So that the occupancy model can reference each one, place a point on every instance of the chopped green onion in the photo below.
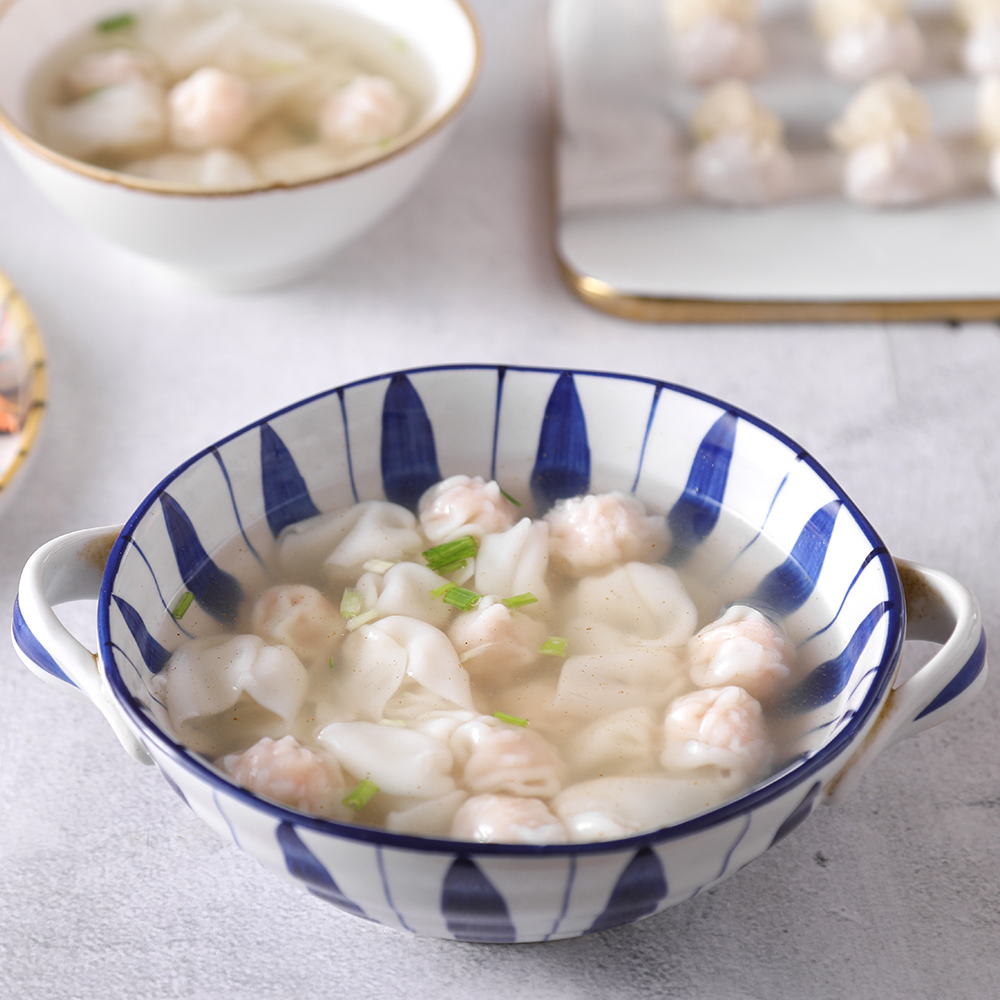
(514, 720)
(516, 503)
(553, 646)
(117, 22)
(180, 608)
(462, 599)
(329, 663)
(442, 590)
(364, 791)
(350, 603)
(377, 566)
(358, 620)
(449, 556)
(519, 600)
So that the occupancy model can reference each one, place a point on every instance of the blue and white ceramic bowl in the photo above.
(544, 434)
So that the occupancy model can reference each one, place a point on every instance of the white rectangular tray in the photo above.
(631, 240)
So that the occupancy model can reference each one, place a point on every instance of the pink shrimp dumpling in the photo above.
(300, 617)
(713, 40)
(716, 48)
(464, 505)
(108, 67)
(210, 108)
(495, 643)
(370, 109)
(507, 819)
(744, 648)
(289, 773)
(507, 758)
(594, 532)
(721, 728)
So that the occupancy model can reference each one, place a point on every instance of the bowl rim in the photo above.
(116, 178)
(794, 774)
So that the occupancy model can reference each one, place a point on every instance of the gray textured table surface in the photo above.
(110, 889)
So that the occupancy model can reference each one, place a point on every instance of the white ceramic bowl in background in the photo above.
(248, 239)
(544, 434)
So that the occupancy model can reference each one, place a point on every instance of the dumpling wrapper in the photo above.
(125, 117)
(406, 589)
(399, 761)
(230, 39)
(378, 660)
(207, 676)
(515, 562)
(608, 808)
(643, 600)
(299, 617)
(624, 742)
(337, 545)
(633, 673)
(221, 169)
(432, 818)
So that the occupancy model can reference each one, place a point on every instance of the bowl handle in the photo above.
(938, 609)
(69, 568)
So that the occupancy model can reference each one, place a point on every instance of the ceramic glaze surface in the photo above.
(544, 434)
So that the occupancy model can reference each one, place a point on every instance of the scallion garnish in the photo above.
(443, 589)
(180, 608)
(516, 503)
(116, 23)
(363, 792)
(450, 556)
(462, 599)
(514, 720)
(553, 646)
(329, 663)
(358, 620)
(350, 603)
(377, 565)
(519, 600)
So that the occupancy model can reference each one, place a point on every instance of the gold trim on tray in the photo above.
(17, 322)
(652, 309)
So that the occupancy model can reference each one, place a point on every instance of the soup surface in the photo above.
(225, 96)
(469, 672)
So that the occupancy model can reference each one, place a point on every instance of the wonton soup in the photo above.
(471, 672)
(224, 96)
